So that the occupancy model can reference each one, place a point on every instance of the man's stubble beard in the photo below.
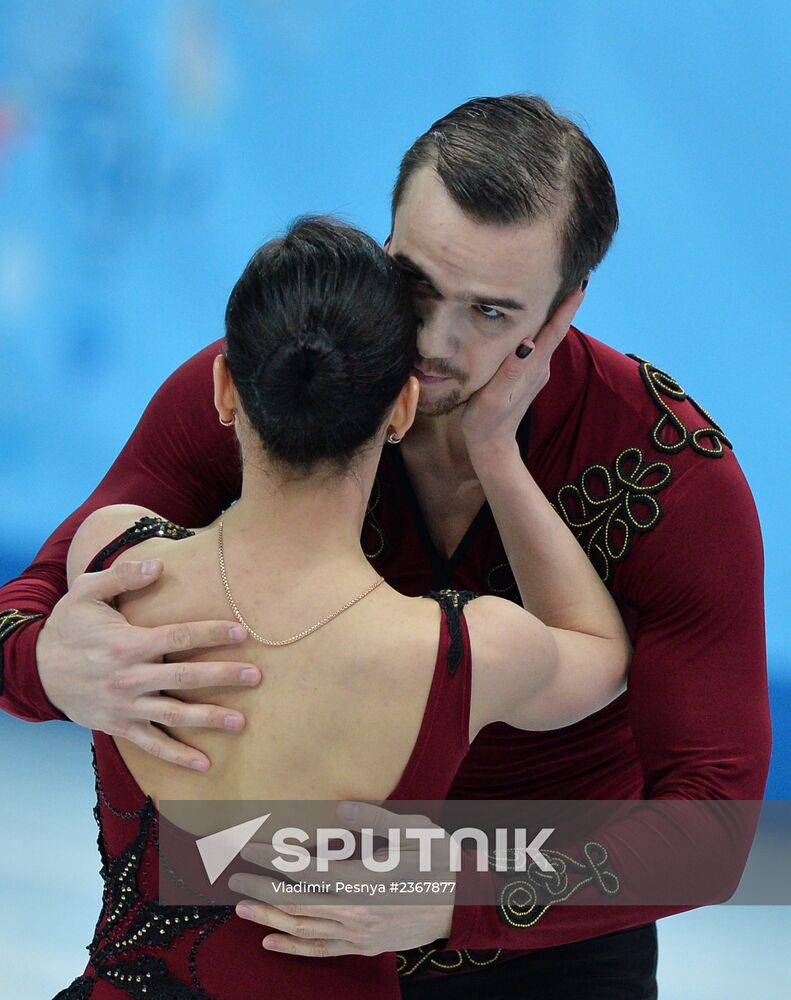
(439, 407)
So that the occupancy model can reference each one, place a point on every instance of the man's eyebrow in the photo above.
(471, 298)
(407, 264)
(475, 299)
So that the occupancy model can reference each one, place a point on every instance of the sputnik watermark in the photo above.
(509, 855)
(584, 852)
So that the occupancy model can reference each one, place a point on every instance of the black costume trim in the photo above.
(660, 384)
(131, 923)
(146, 527)
(453, 602)
(80, 989)
(604, 509)
(10, 620)
(126, 922)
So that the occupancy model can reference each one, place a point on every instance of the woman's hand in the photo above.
(492, 414)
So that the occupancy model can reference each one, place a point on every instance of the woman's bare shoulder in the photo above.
(98, 530)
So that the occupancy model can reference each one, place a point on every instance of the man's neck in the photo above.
(439, 440)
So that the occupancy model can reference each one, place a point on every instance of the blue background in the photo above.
(147, 149)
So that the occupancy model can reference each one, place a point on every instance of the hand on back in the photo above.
(108, 675)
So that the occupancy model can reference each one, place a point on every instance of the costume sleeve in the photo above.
(179, 461)
(698, 704)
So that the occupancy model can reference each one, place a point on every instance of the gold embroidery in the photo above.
(661, 384)
(11, 619)
(524, 901)
(372, 522)
(609, 505)
(408, 962)
(500, 580)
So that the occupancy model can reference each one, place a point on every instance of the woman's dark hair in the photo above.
(514, 159)
(320, 339)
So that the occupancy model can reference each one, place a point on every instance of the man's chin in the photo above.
(439, 407)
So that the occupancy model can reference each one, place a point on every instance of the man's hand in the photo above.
(106, 674)
(321, 931)
(492, 414)
(316, 931)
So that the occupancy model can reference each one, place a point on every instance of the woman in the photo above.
(367, 694)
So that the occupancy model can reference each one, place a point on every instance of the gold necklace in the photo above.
(299, 635)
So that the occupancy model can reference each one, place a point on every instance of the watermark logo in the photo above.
(511, 851)
(218, 850)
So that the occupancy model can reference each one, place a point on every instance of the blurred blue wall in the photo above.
(146, 150)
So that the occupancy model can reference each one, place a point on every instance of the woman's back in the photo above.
(385, 711)
(338, 712)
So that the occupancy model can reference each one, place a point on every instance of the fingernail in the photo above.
(244, 912)
(523, 350)
(233, 722)
(198, 765)
(249, 675)
(149, 567)
(236, 632)
(584, 285)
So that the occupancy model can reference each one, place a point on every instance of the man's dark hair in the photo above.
(320, 339)
(514, 159)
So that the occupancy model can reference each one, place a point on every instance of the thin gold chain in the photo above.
(299, 635)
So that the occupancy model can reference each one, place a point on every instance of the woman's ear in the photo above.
(403, 412)
(225, 400)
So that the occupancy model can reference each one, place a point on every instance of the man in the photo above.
(500, 212)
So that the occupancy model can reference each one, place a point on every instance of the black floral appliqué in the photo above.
(669, 434)
(610, 504)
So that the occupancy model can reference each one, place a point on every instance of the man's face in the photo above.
(479, 289)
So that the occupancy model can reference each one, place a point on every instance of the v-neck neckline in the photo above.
(444, 567)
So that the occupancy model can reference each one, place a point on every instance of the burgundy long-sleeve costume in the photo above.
(651, 488)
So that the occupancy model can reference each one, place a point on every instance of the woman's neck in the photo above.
(297, 525)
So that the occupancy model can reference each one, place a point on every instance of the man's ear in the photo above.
(225, 398)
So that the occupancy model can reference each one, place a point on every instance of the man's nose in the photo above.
(435, 336)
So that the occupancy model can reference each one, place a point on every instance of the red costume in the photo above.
(650, 486)
(199, 952)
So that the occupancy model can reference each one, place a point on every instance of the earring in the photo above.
(231, 422)
(393, 438)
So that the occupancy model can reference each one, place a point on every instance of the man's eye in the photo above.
(489, 312)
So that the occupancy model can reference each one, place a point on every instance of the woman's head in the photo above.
(320, 342)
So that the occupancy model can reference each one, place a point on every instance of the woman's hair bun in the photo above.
(306, 370)
(320, 339)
